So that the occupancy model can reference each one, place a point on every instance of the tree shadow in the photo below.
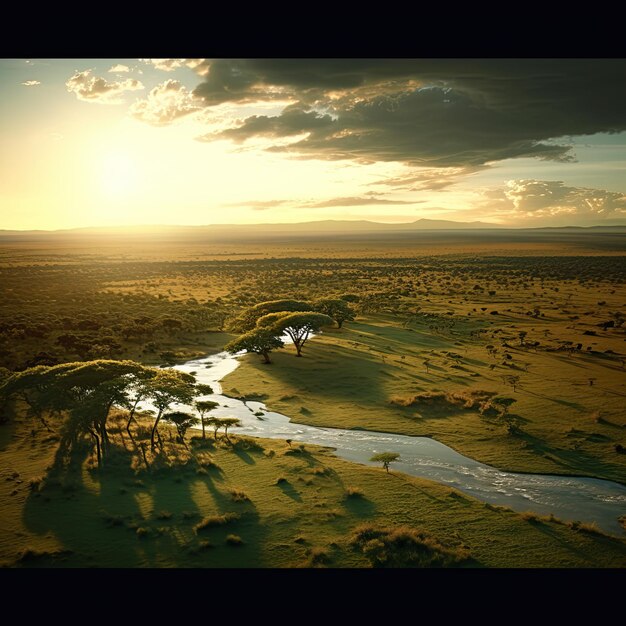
(289, 490)
(359, 505)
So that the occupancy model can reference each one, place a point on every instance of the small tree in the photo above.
(336, 308)
(217, 423)
(203, 390)
(203, 407)
(166, 388)
(183, 421)
(230, 421)
(260, 341)
(297, 325)
(385, 458)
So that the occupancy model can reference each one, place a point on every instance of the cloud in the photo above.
(262, 205)
(169, 65)
(92, 89)
(31, 83)
(531, 199)
(257, 205)
(435, 113)
(354, 201)
(428, 179)
(165, 103)
(120, 68)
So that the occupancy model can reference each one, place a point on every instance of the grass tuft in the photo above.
(216, 520)
(234, 540)
(403, 546)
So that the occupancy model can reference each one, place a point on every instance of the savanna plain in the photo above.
(507, 346)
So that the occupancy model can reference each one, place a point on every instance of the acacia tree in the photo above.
(230, 421)
(85, 390)
(216, 422)
(167, 387)
(259, 340)
(385, 458)
(203, 407)
(297, 325)
(336, 308)
(137, 390)
(183, 421)
(248, 319)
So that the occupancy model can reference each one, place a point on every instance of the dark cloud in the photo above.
(440, 113)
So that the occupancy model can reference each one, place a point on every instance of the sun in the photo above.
(119, 175)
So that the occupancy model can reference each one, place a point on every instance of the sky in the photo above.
(125, 142)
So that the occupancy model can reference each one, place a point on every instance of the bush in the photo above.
(234, 540)
(403, 546)
(216, 520)
(238, 495)
(354, 492)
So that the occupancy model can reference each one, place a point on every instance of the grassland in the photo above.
(255, 503)
(366, 374)
(438, 322)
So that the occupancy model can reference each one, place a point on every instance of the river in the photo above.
(569, 498)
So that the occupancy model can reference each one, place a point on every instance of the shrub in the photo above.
(216, 520)
(354, 492)
(403, 546)
(238, 495)
(234, 540)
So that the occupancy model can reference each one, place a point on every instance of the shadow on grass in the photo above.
(118, 517)
(289, 490)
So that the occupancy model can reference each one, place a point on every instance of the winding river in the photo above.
(569, 498)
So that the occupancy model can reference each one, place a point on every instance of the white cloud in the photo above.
(552, 199)
(120, 68)
(169, 65)
(31, 83)
(165, 103)
(93, 89)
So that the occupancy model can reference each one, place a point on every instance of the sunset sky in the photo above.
(108, 142)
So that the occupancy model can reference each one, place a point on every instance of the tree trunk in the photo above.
(203, 425)
(98, 451)
(154, 429)
(266, 356)
(339, 323)
(131, 416)
(387, 467)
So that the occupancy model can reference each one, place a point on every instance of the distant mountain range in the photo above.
(329, 227)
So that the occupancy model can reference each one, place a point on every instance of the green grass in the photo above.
(371, 375)
(174, 517)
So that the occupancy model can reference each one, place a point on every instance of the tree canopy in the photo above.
(385, 458)
(167, 387)
(248, 319)
(297, 325)
(86, 390)
(336, 308)
(203, 407)
(259, 340)
(183, 421)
